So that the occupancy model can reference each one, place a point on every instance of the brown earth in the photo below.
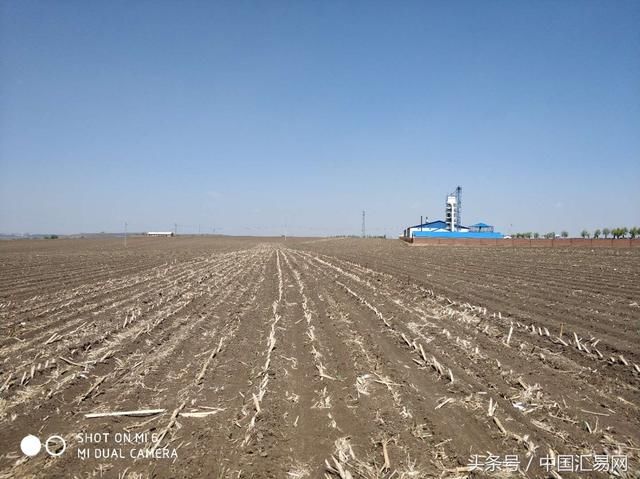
(316, 358)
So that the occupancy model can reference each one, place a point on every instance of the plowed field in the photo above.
(239, 358)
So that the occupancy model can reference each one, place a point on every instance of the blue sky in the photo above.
(253, 117)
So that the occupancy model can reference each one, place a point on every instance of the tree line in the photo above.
(615, 233)
(550, 235)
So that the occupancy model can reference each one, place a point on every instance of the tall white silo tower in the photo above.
(452, 214)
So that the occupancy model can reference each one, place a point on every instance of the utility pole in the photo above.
(364, 231)
(125, 234)
(175, 229)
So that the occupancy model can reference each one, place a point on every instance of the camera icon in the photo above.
(55, 445)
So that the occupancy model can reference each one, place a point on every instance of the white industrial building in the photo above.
(160, 233)
(454, 204)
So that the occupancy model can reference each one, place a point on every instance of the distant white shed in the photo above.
(160, 233)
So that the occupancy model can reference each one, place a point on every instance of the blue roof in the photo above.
(481, 225)
(431, 223)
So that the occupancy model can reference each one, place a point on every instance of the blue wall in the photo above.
(456, 234)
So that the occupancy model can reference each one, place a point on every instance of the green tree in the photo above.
(596, 234)
(564, 234)
(624, 232)
(584, 234)
(536, 235)
(634, 231)
(606, 232)
(550, 235)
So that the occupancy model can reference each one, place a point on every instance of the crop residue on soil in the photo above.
(227, 358)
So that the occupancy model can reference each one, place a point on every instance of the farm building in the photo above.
(430, 227)
(160, 233)
(481, 228)
(452, 227)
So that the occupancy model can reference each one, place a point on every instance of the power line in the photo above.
(364, 231)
